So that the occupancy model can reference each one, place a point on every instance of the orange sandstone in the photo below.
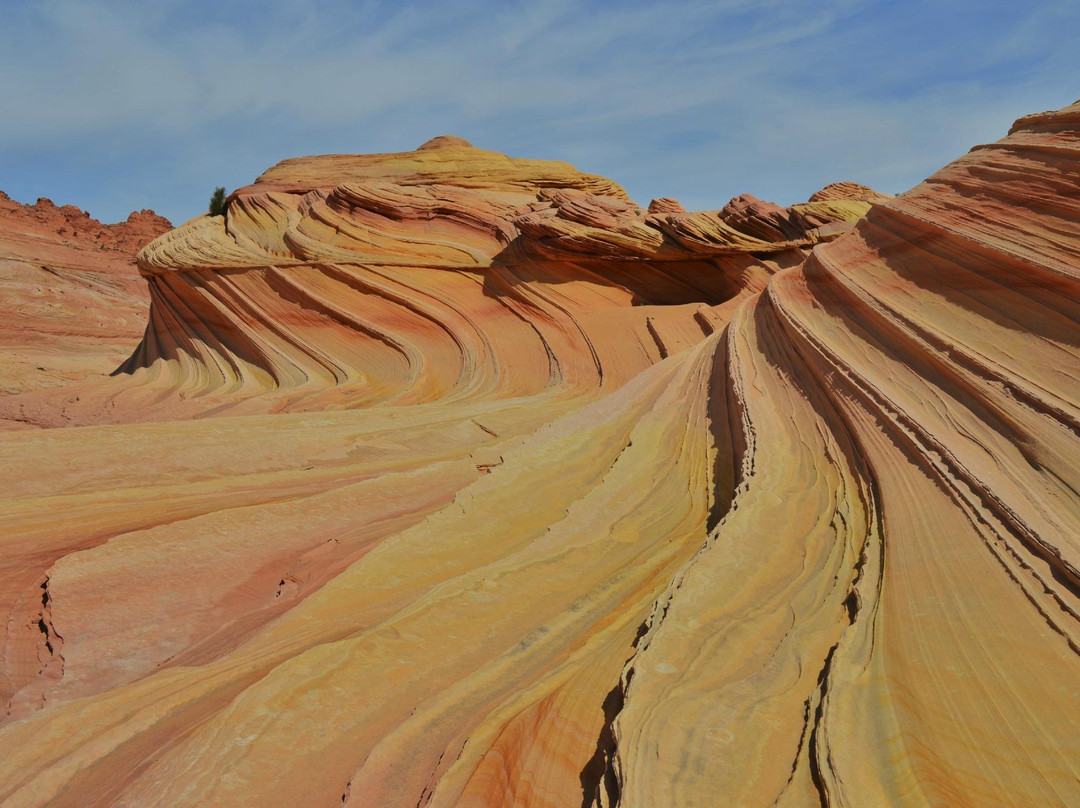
(441, 478)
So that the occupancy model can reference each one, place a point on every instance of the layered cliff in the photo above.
(495, 488)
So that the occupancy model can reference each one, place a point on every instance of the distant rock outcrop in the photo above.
(73, 302)
(73, 231)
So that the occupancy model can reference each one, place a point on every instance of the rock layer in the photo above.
(485, 486)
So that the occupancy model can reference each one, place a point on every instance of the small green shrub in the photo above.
(217, 202)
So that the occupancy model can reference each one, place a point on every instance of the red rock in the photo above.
(74, 304)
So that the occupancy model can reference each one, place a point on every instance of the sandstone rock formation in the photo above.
(442, 273)
(464, 480)
(73, 303)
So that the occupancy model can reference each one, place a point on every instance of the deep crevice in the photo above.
(598, 772)
(812, 741)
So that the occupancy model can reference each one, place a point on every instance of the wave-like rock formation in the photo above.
(465, 481)
(441, 274)
(73, 302)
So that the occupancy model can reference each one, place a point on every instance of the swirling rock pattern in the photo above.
(443, 274)
(528, 496)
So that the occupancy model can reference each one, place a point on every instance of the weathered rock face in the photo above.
(73, 303)
(449, 272)
(533, 497)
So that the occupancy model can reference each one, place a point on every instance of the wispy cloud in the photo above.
(115, 105)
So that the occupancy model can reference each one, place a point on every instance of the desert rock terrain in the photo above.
(73, 302)
(446, 478)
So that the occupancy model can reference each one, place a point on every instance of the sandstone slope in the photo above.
(466, 481)
(73, 303)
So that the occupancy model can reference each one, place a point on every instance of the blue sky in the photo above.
(120, 105)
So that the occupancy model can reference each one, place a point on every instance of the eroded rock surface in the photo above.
(442, 478)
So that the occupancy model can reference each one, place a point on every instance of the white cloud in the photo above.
(691, 99)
